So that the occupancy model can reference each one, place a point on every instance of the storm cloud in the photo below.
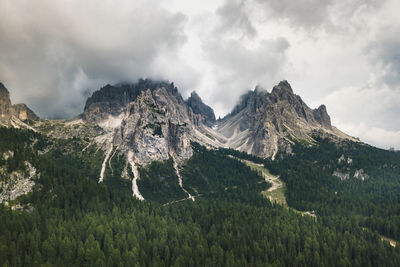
(53, 51)
(53, 54)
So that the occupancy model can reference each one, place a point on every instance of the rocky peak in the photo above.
(113, 99)
(263, 122)
(4, 93)
(7, 111)
(321, 116)
(198, 107)
(5, 103)
(284, 92)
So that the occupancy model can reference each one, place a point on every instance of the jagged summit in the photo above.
(113, 99)
(263, 123)
(152, 116)
(198, 107)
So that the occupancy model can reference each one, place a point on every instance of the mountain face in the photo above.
(13, 113)
(198, 107)
(150, 121)
(134, 142)
(262, 123)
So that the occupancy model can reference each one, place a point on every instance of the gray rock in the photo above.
(263, 123)
(198, 107)
(7, 110)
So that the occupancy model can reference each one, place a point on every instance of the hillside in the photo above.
(141, 179)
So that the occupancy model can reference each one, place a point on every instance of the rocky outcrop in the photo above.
(5, 104)
(198, 107)
(17, 183)
(9, 111)
(155, 125)
(22, 112)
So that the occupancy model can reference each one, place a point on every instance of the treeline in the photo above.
(78, 222)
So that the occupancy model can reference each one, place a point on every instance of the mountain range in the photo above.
(144, 177)
(151, 119)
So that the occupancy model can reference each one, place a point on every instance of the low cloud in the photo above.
(384, 51)
(370, 113)
(235, 18)
(238, 68)
(51, 52)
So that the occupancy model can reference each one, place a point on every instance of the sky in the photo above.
(341, 53)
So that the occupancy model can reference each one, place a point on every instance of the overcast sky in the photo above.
(343, 53)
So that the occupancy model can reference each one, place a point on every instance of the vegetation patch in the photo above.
(157, 129)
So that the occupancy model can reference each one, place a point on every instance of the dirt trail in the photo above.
(392, 242)
(276, 191)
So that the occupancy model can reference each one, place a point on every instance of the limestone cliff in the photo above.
(150, 120)
(9, 111)
(198, 107)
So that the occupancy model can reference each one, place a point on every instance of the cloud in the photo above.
(304, 13)
(384, 51)
(343, 53)
(376, 136)
(370, 113)
(51, 52)
(238, 68)
(235, 18)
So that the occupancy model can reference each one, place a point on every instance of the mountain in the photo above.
(263, 123)
(272, 183)
(13, 114)
(149, 120)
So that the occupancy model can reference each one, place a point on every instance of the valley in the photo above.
(143, 177)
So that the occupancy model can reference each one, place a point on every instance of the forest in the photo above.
(77, 221)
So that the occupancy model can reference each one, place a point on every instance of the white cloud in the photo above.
(370, 113)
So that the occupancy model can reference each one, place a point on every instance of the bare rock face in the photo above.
(156, 126)
(113, 99)
(9, 111)
(198, 107)
(5, 104)
(148, 120)
(263, 123)
(17, 183)
(22, 112)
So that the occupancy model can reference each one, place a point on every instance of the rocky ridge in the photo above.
(16, 114)
(198, 107)
(263, 123)
(150, 121)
